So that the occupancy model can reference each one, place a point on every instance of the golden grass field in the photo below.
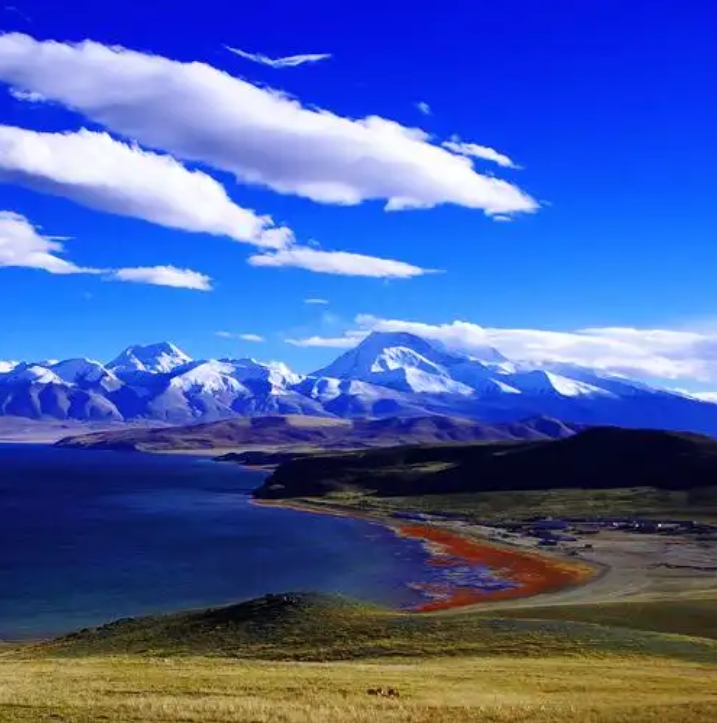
(207, 690)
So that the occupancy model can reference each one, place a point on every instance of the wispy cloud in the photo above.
(253, 338)
(337, 262)
(641, 353)
(27, 96)
(316, 302)
(455, 145)
(23, 246)
(17, 11)
(164, 276)
(261, 136)
(349, 340)
(97, 171)
(424, 108)
(290, 61)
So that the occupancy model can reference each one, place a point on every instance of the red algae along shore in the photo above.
(527, 573)
(510, 573)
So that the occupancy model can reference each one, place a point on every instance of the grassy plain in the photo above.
(126, 689)
(648, 502)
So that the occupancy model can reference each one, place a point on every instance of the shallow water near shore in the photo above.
(87, 537)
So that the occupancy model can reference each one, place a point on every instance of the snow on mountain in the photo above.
(157, 358)
(209, 376)
(387, 351)
(279, 377)
(420, 381)
(31, 373)
(710, 397)
(401, 361)
(618, 385)
(326, 389)
(387, 375)
(538, 381)
(483, 379)
(86, 373)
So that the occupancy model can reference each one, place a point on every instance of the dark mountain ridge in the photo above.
(288, 431)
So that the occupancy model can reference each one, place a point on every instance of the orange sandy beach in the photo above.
(531, 573)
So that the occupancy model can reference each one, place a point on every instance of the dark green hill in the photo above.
(302, 626)
(598, 458)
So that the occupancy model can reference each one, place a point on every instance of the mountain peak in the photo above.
(390, 351)
(160, 357)
(395, 338)
(426, 346)
(382, 351)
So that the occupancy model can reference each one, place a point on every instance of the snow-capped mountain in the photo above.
(386, 375)
(161, 358)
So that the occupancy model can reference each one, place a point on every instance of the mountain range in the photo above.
(385, 375)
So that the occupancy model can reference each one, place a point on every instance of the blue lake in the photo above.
(87, 537)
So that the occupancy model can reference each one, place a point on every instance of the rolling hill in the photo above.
(598, 458)
(322, 432)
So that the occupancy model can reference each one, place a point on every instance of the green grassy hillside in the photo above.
(695, 617)
(322, 628)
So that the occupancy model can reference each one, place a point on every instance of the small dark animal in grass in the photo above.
(384, 692)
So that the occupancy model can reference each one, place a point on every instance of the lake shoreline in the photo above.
(533, 573)
(89, 538)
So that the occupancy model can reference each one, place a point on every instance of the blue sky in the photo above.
(606, 107)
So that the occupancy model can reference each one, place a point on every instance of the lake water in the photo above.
(89, 536)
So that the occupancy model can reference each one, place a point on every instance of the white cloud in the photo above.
(290, 61)
(97, 171)
(316, 302)
(16, 11)
(199, 113)
(26, 96)
(164, 276)
(424, 108)
(337, 262)
(348, 341)
(22, 245)
(641, 353)
(455, 145)
(254, 338)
